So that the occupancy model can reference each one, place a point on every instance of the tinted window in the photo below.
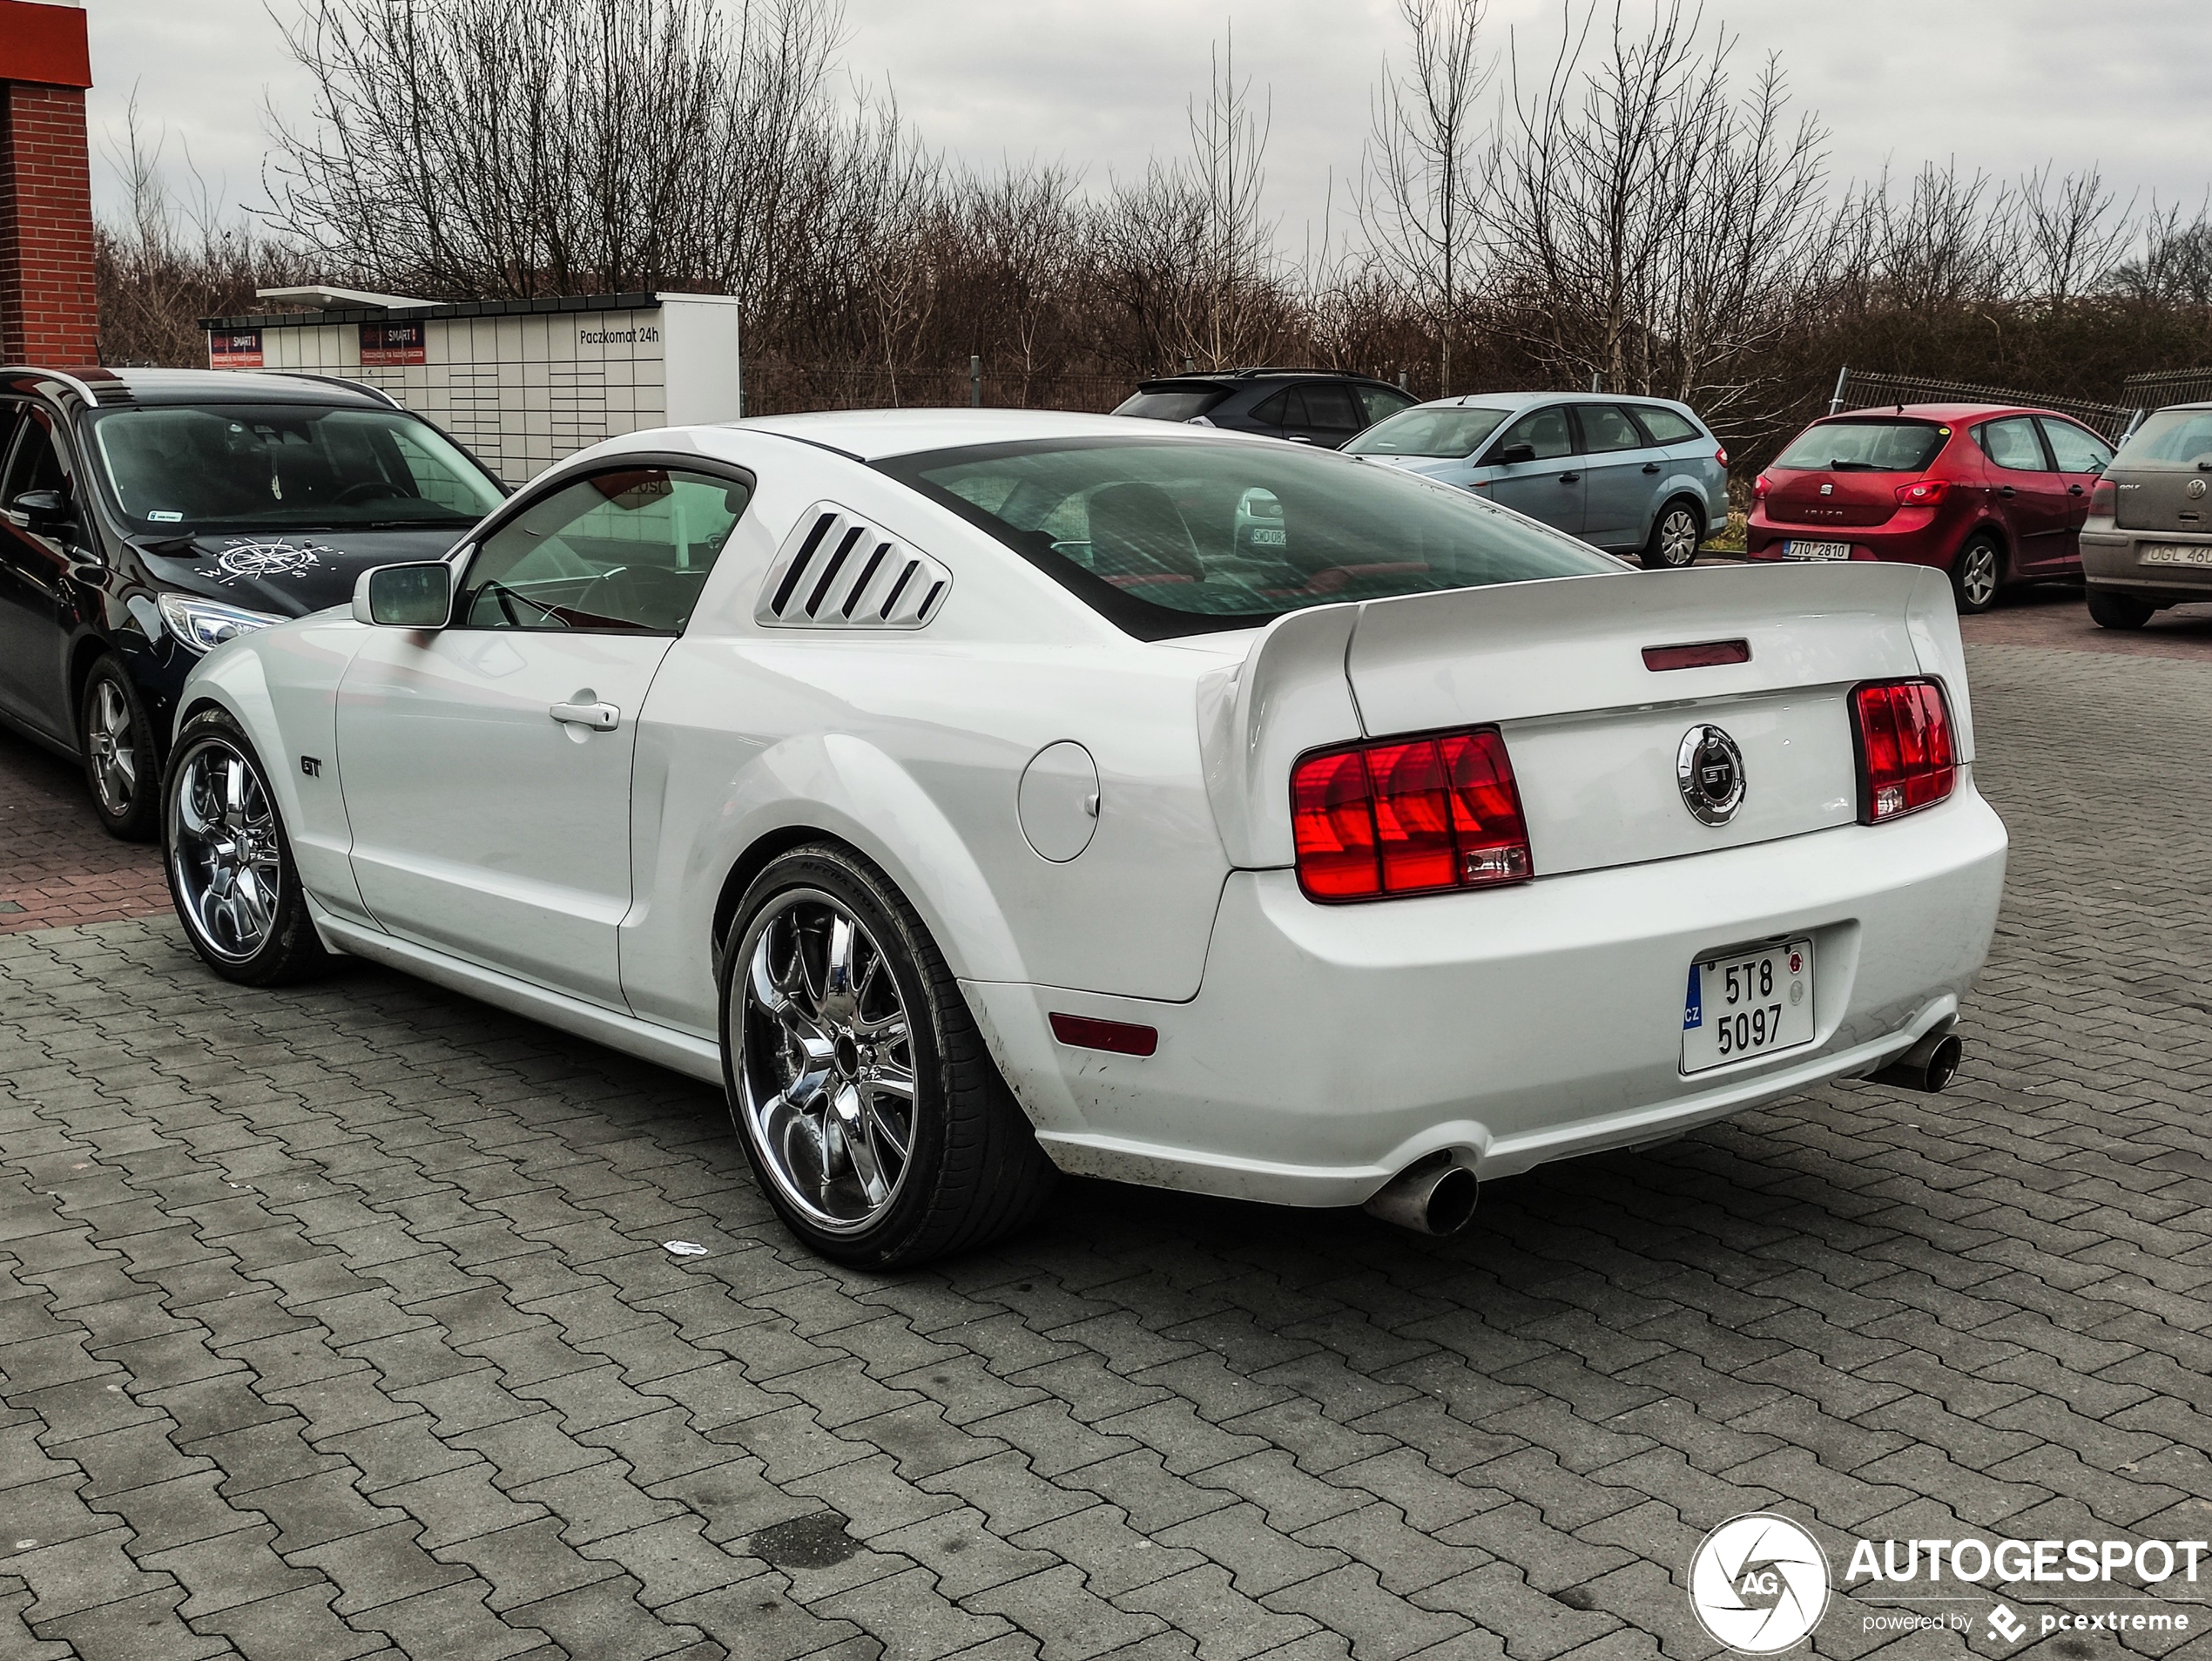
(37, 463)
(1276, 411)
(2077, 449)
(1380, 403)
(1605, 427)
(285, 467)
(1331, 409)
(626, 550)
(1542, 430)
(2013, 443)
(1184, 538)
(2171, 438)
(1175, 403)
(1665, 426)
(1438, 432)
(1866, 447)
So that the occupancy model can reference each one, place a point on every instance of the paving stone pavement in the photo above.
(337, 1321)
(57, 864)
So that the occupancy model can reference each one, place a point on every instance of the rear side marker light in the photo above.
(1906, 761)
(1120, 1037)
(1922, 493)
(1408, 816)
(1702, 656)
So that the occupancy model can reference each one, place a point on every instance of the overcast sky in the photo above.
(2000, 84)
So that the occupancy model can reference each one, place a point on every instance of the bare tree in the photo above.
(2070, 236)
(1421, 173)
(1228, 151)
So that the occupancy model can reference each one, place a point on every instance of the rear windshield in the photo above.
(1174, 404)
(1169, 538)
(2170, 438)
(1449, 432)
(1866, 447)
(181, 468)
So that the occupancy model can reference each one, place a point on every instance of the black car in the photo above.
(151, 514)
(1324, 406)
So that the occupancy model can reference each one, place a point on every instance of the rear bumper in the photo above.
(1911, 536)
(1329, 1047)
(2111, 558)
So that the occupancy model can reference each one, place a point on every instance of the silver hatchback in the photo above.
(1634, 475)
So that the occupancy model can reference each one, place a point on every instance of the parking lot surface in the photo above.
(341, 1320)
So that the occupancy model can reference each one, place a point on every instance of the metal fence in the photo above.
(1861, 389)
(2148, 392)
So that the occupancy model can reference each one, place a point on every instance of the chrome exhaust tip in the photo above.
(1928, 1066)
(1431, 1196)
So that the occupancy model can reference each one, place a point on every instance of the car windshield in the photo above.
(175, 468)
(1168, 538)
(2170, 438)
(1171, 403)
(1866, 447)
(1449, 432)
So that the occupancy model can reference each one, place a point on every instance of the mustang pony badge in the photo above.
(269, 559)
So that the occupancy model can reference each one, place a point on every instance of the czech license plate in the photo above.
(2169, 554)
(1794, 549)
(1747, 1004)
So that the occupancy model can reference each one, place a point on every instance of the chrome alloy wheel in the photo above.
(1978, 582)
(223, 850)
(1677, 537)
(824, 1060)
(113, 741)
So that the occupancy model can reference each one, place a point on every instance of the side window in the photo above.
(1276, 412)
(1330, 409)
(1542, 430)
(1664, 425)
(1604, 428)
(2013, 443)
(1380, 403)
(623, 550)
(2077, 449)
(37, 462)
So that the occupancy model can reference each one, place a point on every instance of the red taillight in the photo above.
(1760, 486)
(1922, 493)
(2104, 500)
(1905, 758)
(1408, 816)
(1720, 455)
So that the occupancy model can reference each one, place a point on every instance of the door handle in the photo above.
(600, 718)
(1570, 478)
(2006, 490)
(1651, 467)
(2073, 489)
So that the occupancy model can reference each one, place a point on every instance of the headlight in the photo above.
(201, 625)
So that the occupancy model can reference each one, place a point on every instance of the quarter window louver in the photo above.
(837, 570)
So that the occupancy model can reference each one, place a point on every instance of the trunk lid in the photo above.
(2156, 498)
(1594, 734)
(1840, 498)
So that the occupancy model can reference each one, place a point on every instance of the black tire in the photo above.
(974, 1173)
(2110, 610)
(1663, 551)
(121, 749)
(1981, 558)
(288, 947)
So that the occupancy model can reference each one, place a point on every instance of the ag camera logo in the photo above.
(1758, 1583)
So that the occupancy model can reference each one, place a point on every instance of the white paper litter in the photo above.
(685, 1248)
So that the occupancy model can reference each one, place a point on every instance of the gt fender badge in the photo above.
(312, 766)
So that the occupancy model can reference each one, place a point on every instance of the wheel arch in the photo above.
(1680, 490)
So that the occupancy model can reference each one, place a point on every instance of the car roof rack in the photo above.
(377, 393)
(1291, 368)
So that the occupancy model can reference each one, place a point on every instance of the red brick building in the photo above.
(48, 311)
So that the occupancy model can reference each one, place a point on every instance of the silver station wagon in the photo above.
(1634, 475)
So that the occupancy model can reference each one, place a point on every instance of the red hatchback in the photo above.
(1993, 494)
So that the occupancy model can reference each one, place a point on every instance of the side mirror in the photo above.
(418, 596)
(1513, 452)
(42, 513)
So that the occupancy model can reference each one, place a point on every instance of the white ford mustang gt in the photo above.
(977, 795)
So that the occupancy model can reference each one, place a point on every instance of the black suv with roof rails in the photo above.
(150, 515)
(1323, 407)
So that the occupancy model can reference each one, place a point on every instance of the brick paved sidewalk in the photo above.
(337, 1321)
(57, 864)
